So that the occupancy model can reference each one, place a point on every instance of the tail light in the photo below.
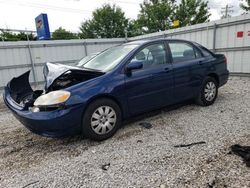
(225, 60)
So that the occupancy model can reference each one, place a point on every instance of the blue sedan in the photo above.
(94, 97)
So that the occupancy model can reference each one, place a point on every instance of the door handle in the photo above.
(161, 72)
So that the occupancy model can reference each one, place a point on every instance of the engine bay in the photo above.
(72, 77)
(22, 93)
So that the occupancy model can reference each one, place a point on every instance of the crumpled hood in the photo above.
(52, 71)
(57, 76)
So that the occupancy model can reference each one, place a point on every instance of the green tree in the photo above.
(62, 34)
(246, 7)
(190, 12)
(159, 15)
(107, 22)
(20, 36)
(156, 15)
(134, 29)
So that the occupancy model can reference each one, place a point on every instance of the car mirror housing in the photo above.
(134, 65)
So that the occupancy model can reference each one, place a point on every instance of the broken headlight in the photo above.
(52, 98)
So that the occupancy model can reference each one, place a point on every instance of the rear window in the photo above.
(205, 51)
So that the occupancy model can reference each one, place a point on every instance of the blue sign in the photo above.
(42, 27)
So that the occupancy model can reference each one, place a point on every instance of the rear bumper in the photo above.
(57, 123)
(223, 78)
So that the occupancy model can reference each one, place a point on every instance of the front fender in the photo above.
(111, 87)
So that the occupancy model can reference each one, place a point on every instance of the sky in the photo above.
(20, 14)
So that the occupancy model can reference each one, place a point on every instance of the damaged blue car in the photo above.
(94, 97)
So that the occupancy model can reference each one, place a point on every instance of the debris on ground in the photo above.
(146, 125)
(32, 183)
(211, 184)
(3, 145)
(242, 151)
(188, 145)
(106, 166)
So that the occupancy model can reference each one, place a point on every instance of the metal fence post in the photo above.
(31, 60)
(214, 37)
(126, 34)
(85, 48)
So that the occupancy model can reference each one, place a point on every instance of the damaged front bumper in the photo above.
(55, 123)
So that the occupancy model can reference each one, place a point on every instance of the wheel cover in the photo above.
(210, 91)
(103, 120)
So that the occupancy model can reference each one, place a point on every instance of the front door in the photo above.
(152, 86)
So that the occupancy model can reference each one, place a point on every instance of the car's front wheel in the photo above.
(101, 120)
(208, 93)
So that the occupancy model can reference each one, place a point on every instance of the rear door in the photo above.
(187, 61)
(152, 86)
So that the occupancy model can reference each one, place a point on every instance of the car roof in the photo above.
(141, 42)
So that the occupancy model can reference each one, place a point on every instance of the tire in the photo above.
(101, 119)
(208, 93)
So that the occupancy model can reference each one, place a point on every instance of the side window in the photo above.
(183, 52)
(152, 56)
(205, 51)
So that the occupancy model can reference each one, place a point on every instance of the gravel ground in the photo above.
(138, 157)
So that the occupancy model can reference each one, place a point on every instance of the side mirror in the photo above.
(134, 65)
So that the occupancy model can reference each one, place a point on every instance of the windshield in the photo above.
(85, 59)
(108, 59)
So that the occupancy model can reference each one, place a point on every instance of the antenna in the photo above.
(226, 10)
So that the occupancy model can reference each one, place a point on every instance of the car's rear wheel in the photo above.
(101, 120)
(208, 93)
